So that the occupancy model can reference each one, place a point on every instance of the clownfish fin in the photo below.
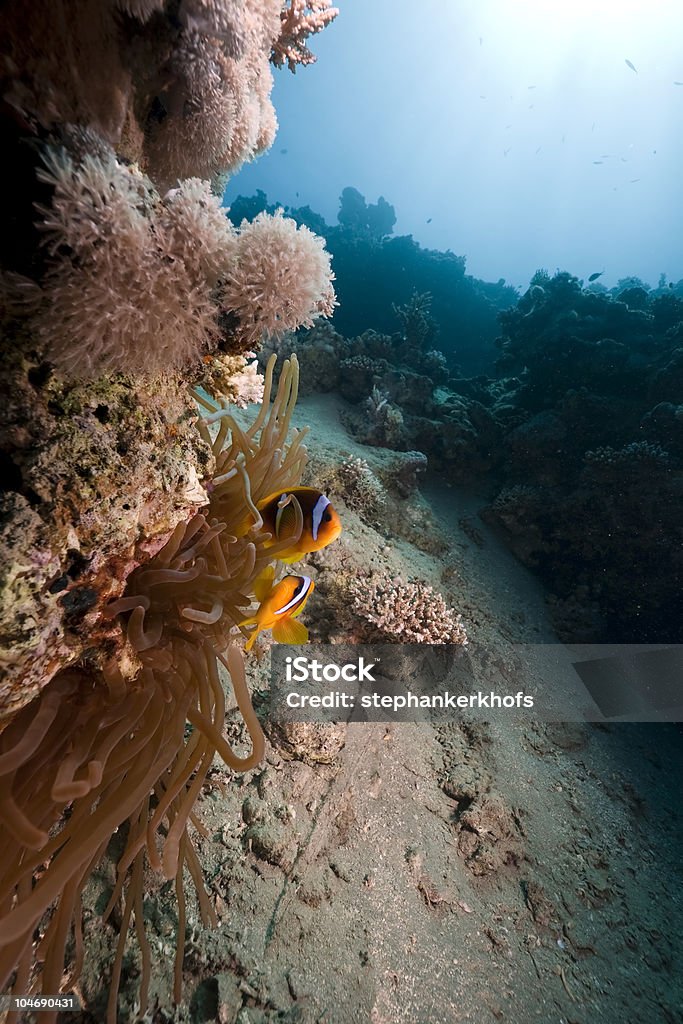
(252, 639)
(289, 631)
(285, 517)
(295, 556)
(263, 584)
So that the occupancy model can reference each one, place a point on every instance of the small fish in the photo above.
(594, 277)
(429, 220)
(481, 40)
(321, 523)
(506, 151)
(678, 83)
(597, 161)
(539, 150)
(284, 152)
(531, 86)
(632, 66)
(633, 181)
(279, 603)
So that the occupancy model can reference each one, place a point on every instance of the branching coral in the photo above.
(383, 424)
(360, 488)
(299, 20)
(112, 747)
(394, 611)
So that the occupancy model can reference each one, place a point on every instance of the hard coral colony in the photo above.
(119, 100)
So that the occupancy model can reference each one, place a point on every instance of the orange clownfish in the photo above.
(322, 525)
(279, 603)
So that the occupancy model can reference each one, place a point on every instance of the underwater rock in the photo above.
(97, 477)
(539, 439)
(318, 350)
(270, 834)
(360, 488)
(310, 742)
(489, 836)
(400, 475)
(358, 374)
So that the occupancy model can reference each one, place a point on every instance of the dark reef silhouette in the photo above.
(375, 271)
(569, 420)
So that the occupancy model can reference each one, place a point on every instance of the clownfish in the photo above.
(279, 604)
(322, 525)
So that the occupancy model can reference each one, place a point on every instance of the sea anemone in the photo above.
(98, 750)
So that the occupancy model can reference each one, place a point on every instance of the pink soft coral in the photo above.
(282, 278)
(131, 280)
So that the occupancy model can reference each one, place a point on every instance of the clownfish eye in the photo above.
(327, 517)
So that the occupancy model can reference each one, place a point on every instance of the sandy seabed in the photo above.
(505, 871)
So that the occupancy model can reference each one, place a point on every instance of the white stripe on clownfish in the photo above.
(299, 596)
(317, 515)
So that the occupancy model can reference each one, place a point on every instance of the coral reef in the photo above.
(182, 89)
(130, 534)
(400, 473)
(95, 478)
(577, 441)
(108, 738)
(383, 421)
(376, 273)
(318, 350)
(131, 280)
(590, 456)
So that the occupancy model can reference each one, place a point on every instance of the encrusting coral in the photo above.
(96, 476)
(114, 746)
